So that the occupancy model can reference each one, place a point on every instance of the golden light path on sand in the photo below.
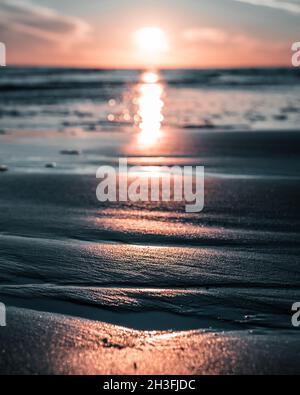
(67, 345)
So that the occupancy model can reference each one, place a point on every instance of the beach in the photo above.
(160, 290)
(42, 343)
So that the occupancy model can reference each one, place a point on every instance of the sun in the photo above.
(151, 40)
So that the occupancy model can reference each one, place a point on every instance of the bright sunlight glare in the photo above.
(151, 40)
(150, 77)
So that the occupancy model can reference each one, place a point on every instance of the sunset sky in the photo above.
(117, 33)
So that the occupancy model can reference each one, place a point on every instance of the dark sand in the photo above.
(232, 270)
(85, 281)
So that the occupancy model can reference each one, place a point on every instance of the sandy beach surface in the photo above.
(42, 343)
(138, 289)
(145, 287)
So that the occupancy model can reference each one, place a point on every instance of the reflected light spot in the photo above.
(150, 105)
(150, 78)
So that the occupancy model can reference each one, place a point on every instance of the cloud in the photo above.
(205, 35)
(212, 36)
(292, 6)
(231, 46)
(25, 26)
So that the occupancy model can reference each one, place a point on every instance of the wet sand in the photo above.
(88, 281)
(231, 270)
(43, 343)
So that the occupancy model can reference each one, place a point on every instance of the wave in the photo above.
(68, 78)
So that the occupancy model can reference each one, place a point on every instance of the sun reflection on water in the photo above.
(150, 105)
